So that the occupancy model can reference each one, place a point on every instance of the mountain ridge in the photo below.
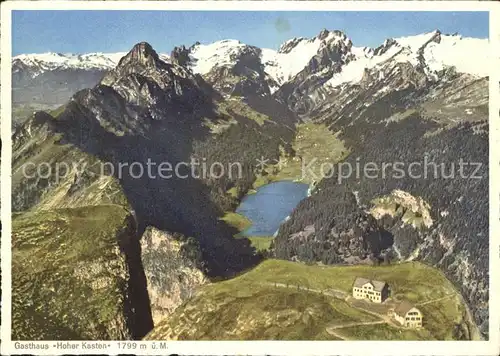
(45, 81)
(99, 60)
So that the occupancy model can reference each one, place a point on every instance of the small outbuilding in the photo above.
(408, 315)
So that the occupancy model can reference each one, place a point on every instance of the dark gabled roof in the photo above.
(377, 285)
(403, 308)
(360, 282)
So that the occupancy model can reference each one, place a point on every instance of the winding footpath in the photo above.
(332, 329)
(384, 318)
(435, 300)
(339, 294)
(336, 293)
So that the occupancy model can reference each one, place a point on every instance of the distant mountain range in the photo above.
(51, 78)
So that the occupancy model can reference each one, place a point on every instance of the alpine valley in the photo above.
(113, 254)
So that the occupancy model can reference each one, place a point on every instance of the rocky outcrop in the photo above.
(413, 211)
(173, 265)
(333, 53)
(384, 47)
(347, 235)
(180, 56)
(245, 77)
(154, 89)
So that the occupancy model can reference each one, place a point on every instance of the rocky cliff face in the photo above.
(173, 265)
(334, 52)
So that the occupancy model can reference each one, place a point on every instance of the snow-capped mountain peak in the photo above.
(221, 53)
(295, 54)
(279, 66)
(417, 42)
(51, 61)
(467, 55)
(433, 51)
(290, 44)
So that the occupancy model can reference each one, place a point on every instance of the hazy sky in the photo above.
(117, 31)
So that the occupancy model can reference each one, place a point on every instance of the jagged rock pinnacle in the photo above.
(142, 57)
(437, 36)
(180, 55)
(142, 53)
(323, 34)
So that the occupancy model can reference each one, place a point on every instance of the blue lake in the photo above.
(270, 206)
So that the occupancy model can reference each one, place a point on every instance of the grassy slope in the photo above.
(240, 222)
(261, 243)
(413, 281)
(241, 307)
(381, 332)
(68, 274)
(234, 105)
(227, 109)
(313, 143)
(233, 310)
(237, 221)
(51, 189)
